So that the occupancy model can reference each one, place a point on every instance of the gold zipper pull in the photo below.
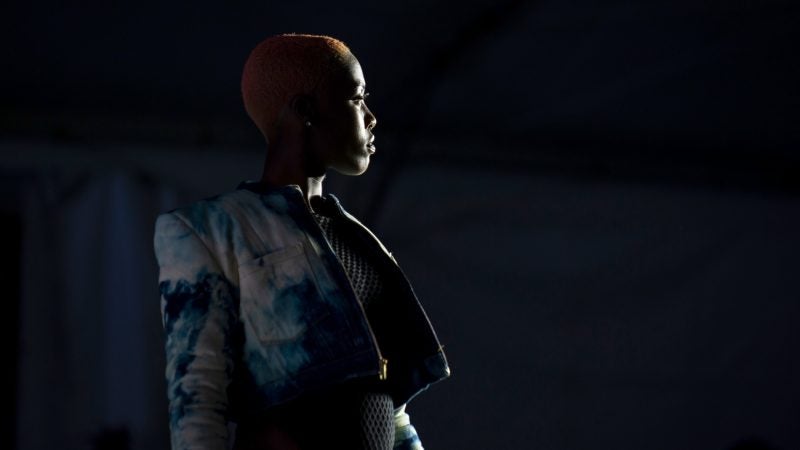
(383, 370)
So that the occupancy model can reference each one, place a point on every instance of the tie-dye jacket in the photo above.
(257, 309)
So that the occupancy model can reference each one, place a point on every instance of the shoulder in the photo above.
(200, 211)
(210, 220)
(211, 215)
(206, 232)
(235, 226)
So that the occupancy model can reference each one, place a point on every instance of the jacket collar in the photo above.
(329, 202)
(264, 188)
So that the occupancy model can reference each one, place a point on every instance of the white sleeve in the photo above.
(199, 314)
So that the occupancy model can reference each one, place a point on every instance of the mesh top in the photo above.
(362, 274)
(365, 415)
(352, 416)
(377, 424)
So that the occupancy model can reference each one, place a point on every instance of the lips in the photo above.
(371, 145)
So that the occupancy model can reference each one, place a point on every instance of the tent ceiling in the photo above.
(669, 79)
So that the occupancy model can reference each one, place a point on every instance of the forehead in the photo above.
(348, 78)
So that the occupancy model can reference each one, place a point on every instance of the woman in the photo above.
(283, 314)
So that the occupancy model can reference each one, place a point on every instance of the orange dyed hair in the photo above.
(285, 65)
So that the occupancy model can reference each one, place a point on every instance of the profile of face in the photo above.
(342, 127)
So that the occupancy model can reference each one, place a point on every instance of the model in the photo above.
(288, 324)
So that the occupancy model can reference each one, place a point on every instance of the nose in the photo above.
(370, 119)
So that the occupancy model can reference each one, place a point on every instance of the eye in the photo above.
(361, 98)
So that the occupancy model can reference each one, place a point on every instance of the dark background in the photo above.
(596, 201)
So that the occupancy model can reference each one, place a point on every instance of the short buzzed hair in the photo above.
(283, 66)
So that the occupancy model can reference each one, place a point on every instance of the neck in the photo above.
(287, 163)
(276, 175)
(312, 187)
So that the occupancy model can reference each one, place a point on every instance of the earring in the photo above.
(308, 123)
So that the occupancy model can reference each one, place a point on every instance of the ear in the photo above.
(304, 107)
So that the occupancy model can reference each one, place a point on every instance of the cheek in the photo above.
(351, 130)
(345, 131)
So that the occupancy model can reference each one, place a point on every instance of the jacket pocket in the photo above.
(279, 298)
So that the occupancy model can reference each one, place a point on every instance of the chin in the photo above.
(355, 168)
(354, 171)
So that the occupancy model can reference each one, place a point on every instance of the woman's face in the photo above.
(344, 123)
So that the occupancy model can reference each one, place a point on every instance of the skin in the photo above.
(339, 136)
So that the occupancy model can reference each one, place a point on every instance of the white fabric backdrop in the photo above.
(91, 355)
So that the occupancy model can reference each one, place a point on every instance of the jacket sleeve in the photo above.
(198, 314)
(405, 435)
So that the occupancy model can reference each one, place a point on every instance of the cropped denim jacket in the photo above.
(257, 310)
